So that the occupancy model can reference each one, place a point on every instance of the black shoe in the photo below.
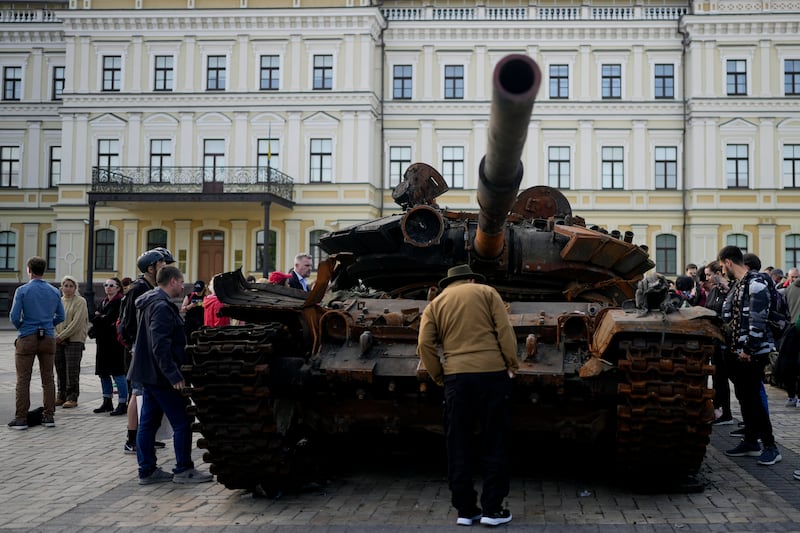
(18, 424)
(105, 407)
(159, 444)
(738, 432)
(723, 421)
(496, 518)
(466, 518)
(121, 409)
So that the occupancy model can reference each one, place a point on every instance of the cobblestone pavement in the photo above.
(75, 478)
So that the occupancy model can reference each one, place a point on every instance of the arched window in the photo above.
(273, 237)
(156, 238)
(739, 240)
(792, 251)
(8, 250)
(317, 254)
(667, 254)
(52, 240)
(104, 249)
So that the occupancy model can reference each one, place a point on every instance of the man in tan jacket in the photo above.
(479, 351)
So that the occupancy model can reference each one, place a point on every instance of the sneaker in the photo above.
(723, 421)
(18, 424)
(791, 402)
(129, 448)
(496, 518)
(159, 444)
(48, 422)
(796, 474)
(192, 476)
(69, 404)
(738, 432)
(158, 476)
(769, 456)
(466, 518)
(750, 449)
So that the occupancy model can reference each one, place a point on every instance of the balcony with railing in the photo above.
(582, 12)
(170, 183)
(28, 15)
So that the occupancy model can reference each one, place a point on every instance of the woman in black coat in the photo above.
(110, 362)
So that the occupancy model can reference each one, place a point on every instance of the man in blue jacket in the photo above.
(159, 352)
(36, 310)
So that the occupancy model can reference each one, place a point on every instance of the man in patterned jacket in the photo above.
(749, 342)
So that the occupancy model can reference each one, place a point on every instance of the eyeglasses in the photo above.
(110, 285)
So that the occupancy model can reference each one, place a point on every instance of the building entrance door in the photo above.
(211, 255)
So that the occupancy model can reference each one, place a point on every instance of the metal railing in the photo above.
(133, 180)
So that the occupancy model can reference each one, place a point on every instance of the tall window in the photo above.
(213, 158)
(160, 160)
(8, 250)
(666, 167)
(791, 165)
(156, 238)
(737, 239)
(453, 166)
(321, 163)
(55, 166)
(269, 73)
(216, 70)
(612, 167)
(273, 249)
(104, 249)
(454, 82)
(666, 254)
(59, 78)
(559, 81)
(401, 82)
(791, 77)
(112, 73)
(12, 83)
(611, 81)
(164, 74)
(736, 77)
(323, 72)
(736, 165)
(558, 167)
(792, 250)
(665, 81)
(52, 244)
(108, 154)
(399, 159)
(317, 254)
(268, 157)
(9, 166)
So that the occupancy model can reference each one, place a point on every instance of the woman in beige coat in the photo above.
(70, 339)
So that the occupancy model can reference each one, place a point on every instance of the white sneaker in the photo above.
(791, 402)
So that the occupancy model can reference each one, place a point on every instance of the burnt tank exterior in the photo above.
(596, 357)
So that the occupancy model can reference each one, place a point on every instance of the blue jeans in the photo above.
(108, 388)
(158, 402)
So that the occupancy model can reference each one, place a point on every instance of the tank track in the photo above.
(665, 409)
(230, 373)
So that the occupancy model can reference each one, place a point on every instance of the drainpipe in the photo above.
(381, 96)
(88, 293)
(684, 163)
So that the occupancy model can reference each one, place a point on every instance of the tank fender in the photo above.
(690, 321)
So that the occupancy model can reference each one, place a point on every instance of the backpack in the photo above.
(778, 316)
(128, 319)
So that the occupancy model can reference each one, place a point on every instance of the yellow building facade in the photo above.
(204, 125)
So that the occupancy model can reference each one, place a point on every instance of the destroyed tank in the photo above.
(603, 352)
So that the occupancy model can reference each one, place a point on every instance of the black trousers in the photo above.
(748, 378)
(478, 419)
(722, 389)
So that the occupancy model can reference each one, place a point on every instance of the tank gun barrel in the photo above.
(515, 83)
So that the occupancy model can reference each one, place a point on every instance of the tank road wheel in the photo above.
(665, 408)
(237, 372)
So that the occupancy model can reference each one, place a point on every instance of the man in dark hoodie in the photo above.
(159, 352)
